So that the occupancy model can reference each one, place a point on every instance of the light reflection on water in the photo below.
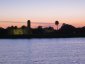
(42, 51)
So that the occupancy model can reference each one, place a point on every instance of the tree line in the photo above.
(66, 30)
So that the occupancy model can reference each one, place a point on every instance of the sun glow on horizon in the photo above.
(65, 11)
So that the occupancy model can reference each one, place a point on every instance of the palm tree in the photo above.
(57, 23)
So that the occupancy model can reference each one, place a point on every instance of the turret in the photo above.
(28, 24)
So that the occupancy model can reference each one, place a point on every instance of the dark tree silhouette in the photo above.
(23, 27)
(57, 23)
(66, 28)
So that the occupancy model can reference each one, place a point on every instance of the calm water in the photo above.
(42, 51)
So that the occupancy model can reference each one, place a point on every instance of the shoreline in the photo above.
(39, 36)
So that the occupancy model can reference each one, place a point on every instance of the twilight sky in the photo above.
(66, 11)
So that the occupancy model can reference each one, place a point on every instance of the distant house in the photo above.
(20, 31)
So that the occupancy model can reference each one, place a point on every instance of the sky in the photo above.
(46, 11)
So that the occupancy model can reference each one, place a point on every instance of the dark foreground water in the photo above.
(42, 51)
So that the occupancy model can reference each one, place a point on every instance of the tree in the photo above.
(67, 28)
(23, 27)
(57, 23)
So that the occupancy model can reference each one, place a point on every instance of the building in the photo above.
(28, 24)
(18, 32)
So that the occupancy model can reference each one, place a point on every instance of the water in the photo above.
(42, 51)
